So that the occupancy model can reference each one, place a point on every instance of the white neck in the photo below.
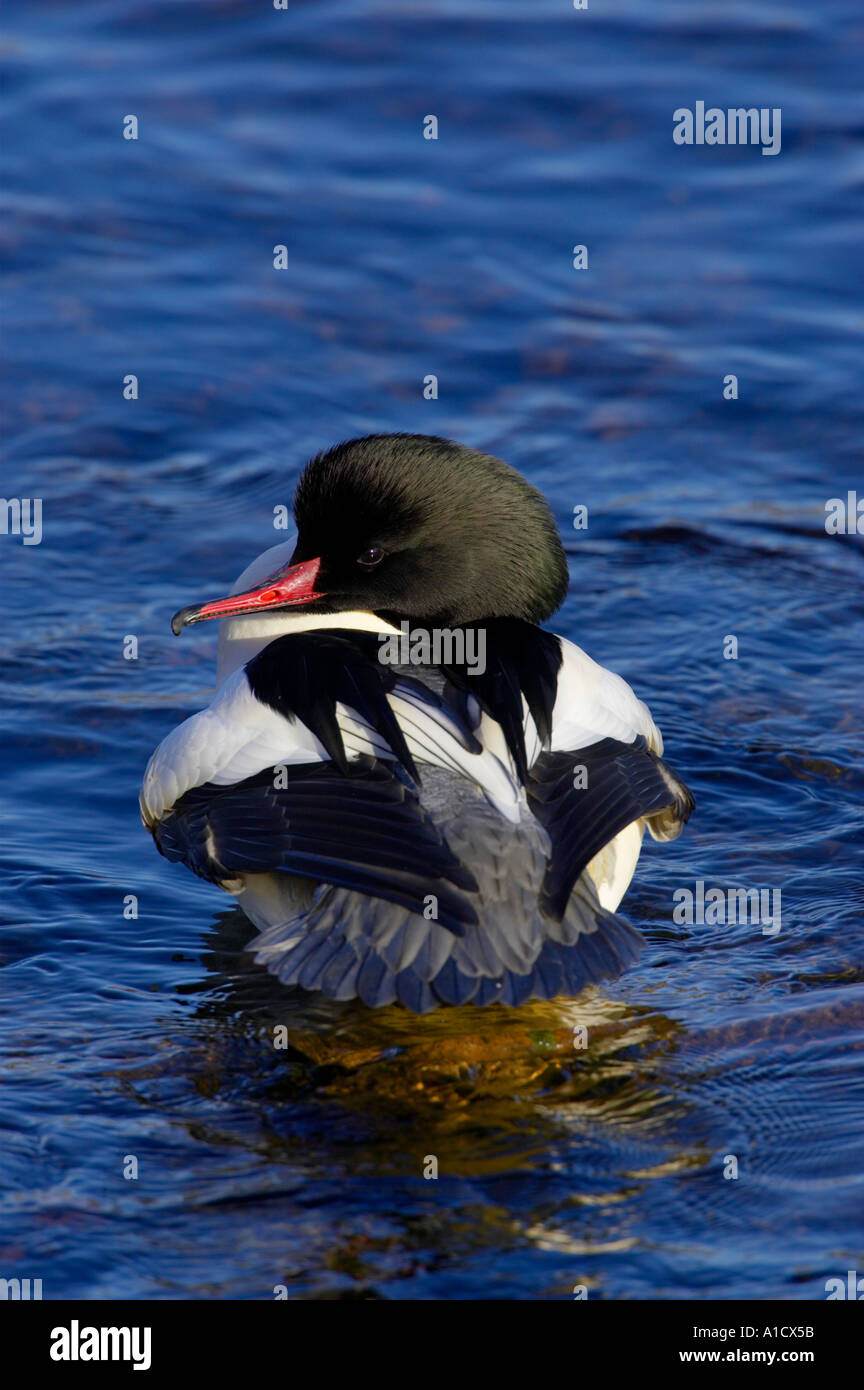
(241, 638)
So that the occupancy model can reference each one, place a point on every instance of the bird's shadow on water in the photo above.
(485, 1090)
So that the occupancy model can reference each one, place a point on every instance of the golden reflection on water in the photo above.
(486, 1090)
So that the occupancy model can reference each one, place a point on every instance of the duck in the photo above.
(416, 793)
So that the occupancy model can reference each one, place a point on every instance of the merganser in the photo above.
(399, 822)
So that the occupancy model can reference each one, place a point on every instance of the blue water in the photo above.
(152, 1037)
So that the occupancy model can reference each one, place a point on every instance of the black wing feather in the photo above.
(623, 782)
(362, 829)
(520, 660)
(304, 675)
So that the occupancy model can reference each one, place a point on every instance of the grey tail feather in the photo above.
(325, 960)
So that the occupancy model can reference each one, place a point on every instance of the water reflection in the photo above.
(481, 1088)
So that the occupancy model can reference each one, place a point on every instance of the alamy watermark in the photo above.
(852, 1287)
(20, 1289)
(22, 516)
(736, 126)
(442, 646)
(720, 906)
(77, 1343)
(844, 516)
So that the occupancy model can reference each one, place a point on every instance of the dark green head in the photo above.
(412, 526)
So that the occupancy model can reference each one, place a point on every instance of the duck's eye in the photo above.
(371, 557)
